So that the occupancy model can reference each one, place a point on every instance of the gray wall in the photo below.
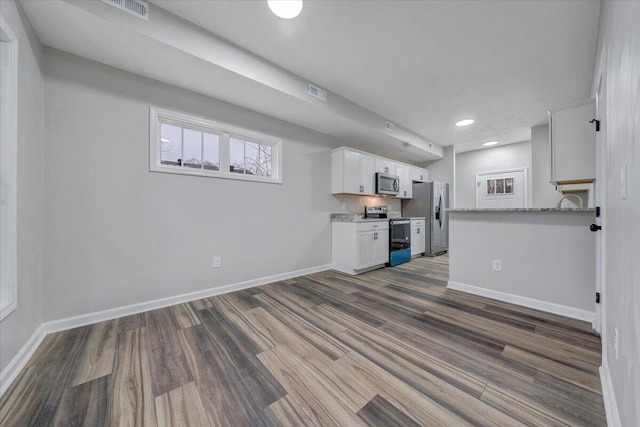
(16, 329)
(545, 256)
(544, 194)
(467, 164)
(619, 35)
(117, 234)
(445, 170)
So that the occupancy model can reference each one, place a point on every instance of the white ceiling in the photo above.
(422, 64)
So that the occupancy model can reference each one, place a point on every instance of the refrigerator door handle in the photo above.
(439, 214)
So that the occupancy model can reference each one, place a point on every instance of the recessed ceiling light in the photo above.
(490, 143)
(465, 122)
(285, 9)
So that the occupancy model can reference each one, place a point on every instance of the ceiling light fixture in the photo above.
(490, 143)
(285, 9)
(465, 122)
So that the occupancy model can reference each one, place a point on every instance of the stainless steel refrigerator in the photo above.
(431, 200)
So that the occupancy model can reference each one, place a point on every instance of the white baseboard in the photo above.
(114, 313)
(562, 310)
(11, 371)
(610, 406)
(20, 360)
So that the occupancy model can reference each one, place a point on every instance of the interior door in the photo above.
(501, 189)
(600, 200)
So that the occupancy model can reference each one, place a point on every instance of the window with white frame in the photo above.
(185, 144)
(8, 169)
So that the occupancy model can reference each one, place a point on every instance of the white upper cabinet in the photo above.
(573, 143)
(352, 172)
(386, 166)
(419, 174)
(406, 184)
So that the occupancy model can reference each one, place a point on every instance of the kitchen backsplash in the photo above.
(356, 204)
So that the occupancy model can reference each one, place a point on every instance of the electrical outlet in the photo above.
(344, 206)
(497, 265)
(217, 262)
(616, 343)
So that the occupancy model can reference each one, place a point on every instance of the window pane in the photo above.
(192, 150)
(265, 160)
(211, 152)
(236, 155)
(171, 144)
(252, 160)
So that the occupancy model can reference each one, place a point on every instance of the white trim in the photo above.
(562, 310)
(9, 374)
(569, 105)
(525, 183)
(113, 313)
(610, 405)
(9, 164)
(11, 371)
(225, 131)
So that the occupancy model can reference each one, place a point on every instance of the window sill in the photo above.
(220, 175)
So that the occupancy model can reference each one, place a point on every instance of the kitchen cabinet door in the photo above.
(419, 174)
(418, 243)
(367, 166)
(351, 167)
(406, 184)
(352, 172)
(365, 249)
(381, 247)
(573, 143)
(414, 240)
(385, 166)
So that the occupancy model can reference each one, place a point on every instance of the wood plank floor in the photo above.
(392, 347)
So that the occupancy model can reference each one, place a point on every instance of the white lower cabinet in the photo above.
(418, 242)
(359, 246)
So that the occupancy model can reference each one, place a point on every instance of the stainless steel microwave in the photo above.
(387, 184)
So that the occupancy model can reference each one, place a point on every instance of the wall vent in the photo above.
(316, 92)
(137, 8)
(389, 126)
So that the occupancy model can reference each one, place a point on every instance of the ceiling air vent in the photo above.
(137, 8)
(389, 126)
(316, 92)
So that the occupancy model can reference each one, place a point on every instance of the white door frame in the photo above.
(600, 199)
(525, 182)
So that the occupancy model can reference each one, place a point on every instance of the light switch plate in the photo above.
(497, 265)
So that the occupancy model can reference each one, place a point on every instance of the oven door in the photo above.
(400, 236)
(387, 184)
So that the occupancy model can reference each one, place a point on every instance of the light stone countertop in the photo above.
(349, 217)
(507, 210)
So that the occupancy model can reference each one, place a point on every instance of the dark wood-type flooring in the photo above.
(392, 347)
